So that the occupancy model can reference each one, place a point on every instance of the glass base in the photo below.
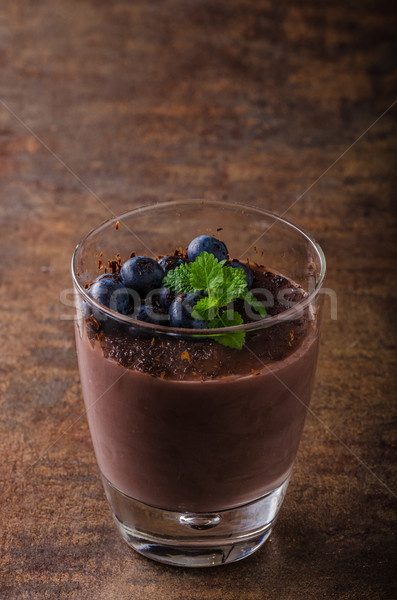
(195, 539)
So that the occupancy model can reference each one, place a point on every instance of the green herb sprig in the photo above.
(221, 285)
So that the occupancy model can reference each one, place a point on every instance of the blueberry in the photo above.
(236, 264)
(109, 291)
(142, 274)
(165, 298)
(181, 311)
(167, 263)
(149, 314)
(206, 243)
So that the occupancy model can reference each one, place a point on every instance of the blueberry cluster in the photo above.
(138, 290)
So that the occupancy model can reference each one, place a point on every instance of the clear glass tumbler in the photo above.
(195, 441)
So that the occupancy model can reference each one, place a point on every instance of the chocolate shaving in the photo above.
(185, 356)
(93, 321)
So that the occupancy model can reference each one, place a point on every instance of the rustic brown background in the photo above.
(109, 105)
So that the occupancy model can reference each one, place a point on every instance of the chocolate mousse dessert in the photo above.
(193, 402)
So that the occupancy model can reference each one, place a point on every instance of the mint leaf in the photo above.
(234, 285)
(206, 308)
(255, 303)
(235, 279)
(233, 339)
(178, 279)
(206, 272)
(221, 285)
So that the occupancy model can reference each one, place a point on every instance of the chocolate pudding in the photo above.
(187, 424)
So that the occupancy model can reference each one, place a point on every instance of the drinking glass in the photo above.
(195, 460)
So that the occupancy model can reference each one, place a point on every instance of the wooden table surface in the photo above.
(110, 105)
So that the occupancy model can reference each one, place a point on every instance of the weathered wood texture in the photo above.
(109, 105)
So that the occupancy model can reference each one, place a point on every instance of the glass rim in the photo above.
(175, 331)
